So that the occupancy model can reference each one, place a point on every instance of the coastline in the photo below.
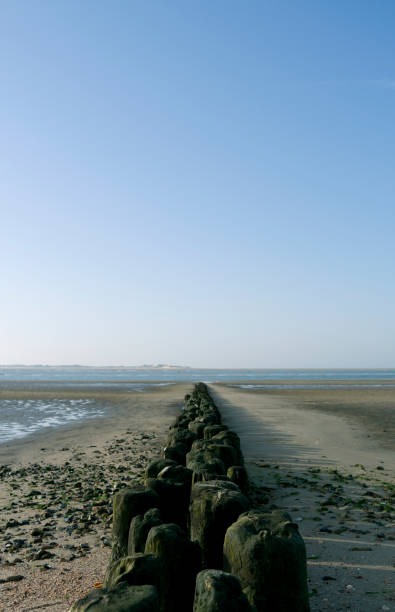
(300, 447)
(56, 491)
(120, 408)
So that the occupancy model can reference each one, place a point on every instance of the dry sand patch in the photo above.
(330, 470)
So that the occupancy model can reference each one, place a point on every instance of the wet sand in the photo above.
(142, 410)
(328, 457)
(56, 491)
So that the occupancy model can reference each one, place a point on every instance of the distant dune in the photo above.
(159, 366)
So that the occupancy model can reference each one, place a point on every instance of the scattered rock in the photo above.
(14, 578)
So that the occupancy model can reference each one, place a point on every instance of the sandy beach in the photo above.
(326, 455)
(56, 493)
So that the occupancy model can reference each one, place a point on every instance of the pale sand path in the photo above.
(286, 436)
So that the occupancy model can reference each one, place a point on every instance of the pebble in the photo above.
(15, 578)
(67, 501)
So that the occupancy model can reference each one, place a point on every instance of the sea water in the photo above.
(20, 417)
(86, 374)
(23, 417)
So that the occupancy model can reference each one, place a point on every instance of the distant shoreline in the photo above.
(250, 384)
(88, 367)
(179, 367)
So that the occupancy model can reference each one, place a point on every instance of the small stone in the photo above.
(33, 493)
(12, 523)
(43, 554)
(15, 578)
(37, 532)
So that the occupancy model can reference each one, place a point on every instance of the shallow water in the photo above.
(85, 374)
(23, 417)
(20, 417)
(365, 385)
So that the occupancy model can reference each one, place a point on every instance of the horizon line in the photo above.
(182, 367)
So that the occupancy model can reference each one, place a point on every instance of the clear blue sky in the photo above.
(204, 183)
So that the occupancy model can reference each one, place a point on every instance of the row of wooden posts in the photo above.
(190, 538)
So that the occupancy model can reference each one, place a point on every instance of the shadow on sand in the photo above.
(263, 442)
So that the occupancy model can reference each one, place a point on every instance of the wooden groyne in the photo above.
(191, 537)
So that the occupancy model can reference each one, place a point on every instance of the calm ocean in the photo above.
(91, 374)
